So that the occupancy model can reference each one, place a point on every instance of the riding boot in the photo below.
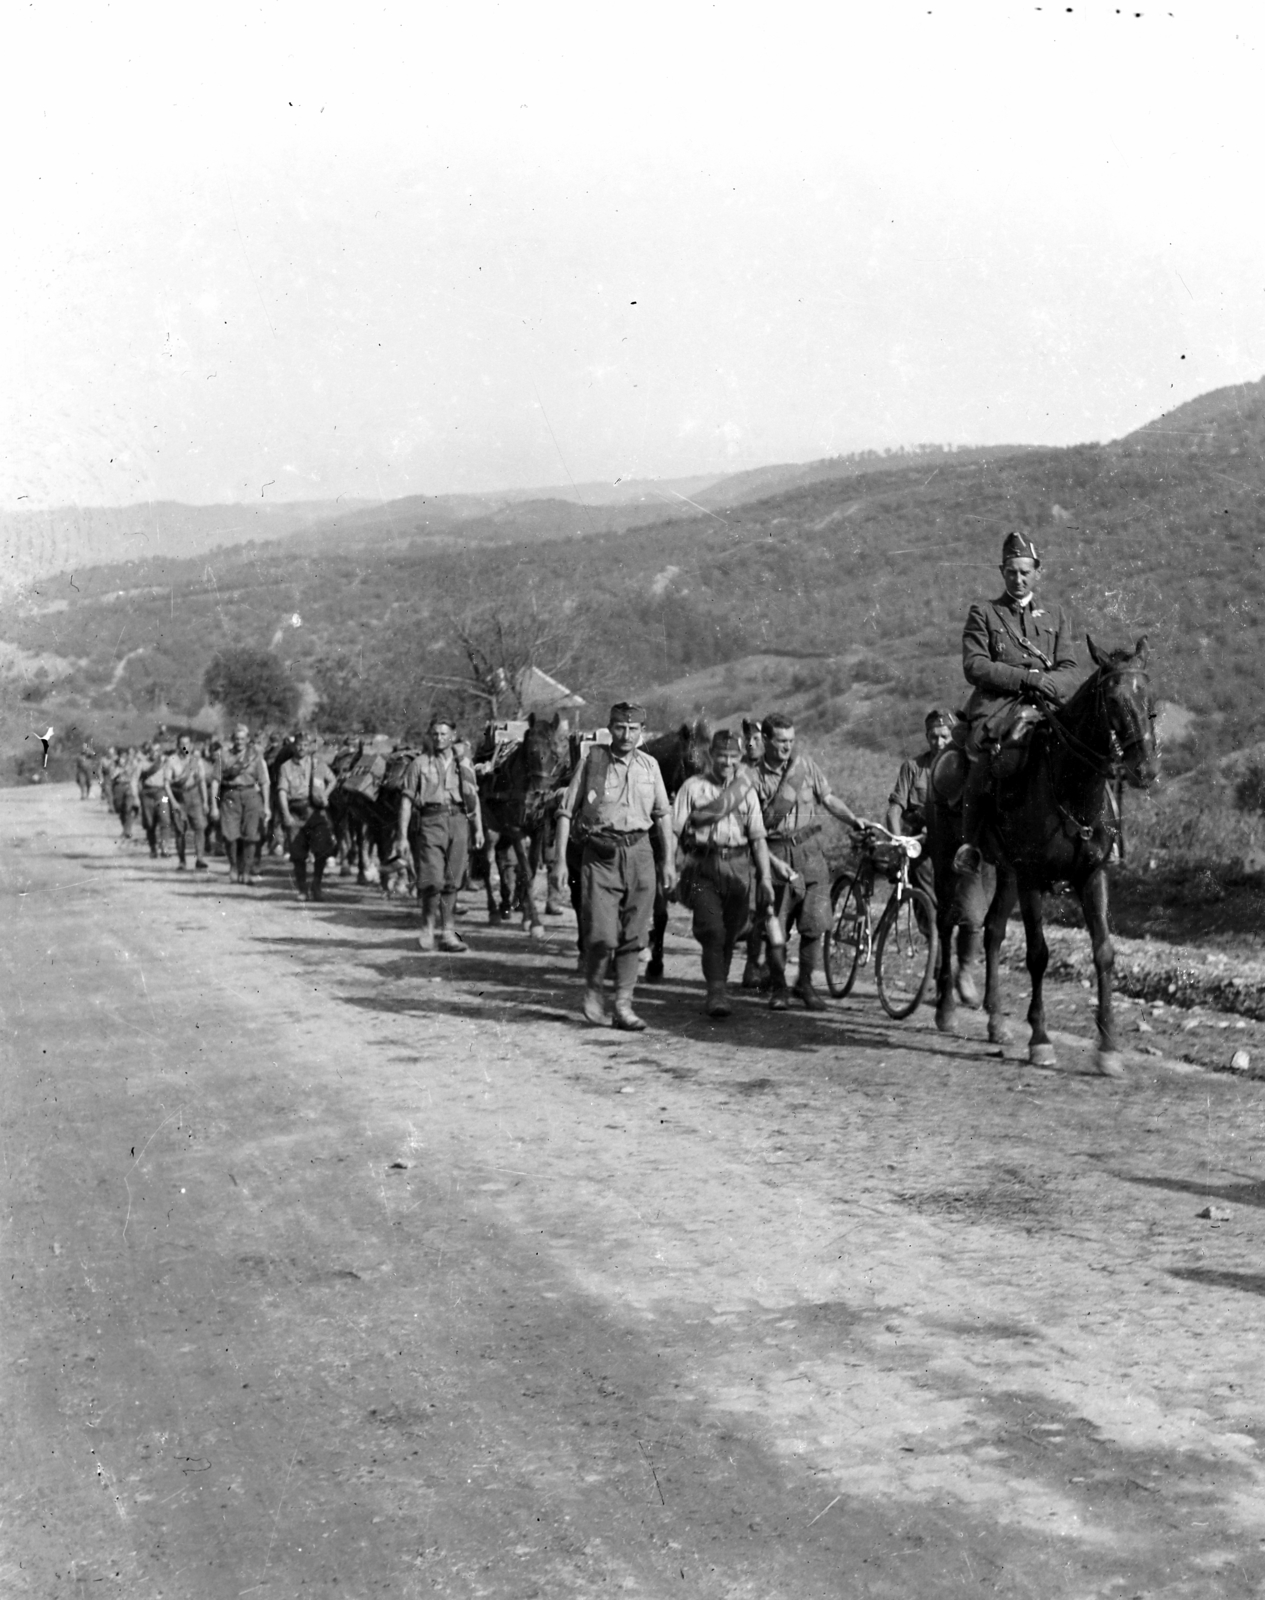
(779, 998)
(449, 939)
(809, 952)
(970, 948)
(593, 963)
(627, 963)
(430, 906)
(979, 775)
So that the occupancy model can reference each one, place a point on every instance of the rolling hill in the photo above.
(857, 579)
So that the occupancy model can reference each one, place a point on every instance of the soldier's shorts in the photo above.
(617, 895)
(441, 840)
(241, 816)
(314, 836)
(722, 899)
(804, 904)
(124, 800)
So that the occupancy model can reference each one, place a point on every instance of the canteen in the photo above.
(773, 930)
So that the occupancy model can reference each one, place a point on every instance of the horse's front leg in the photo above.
(527, 876)
(491, 877)
(946, 994)
(1003, 903)
(1093, 898)
(1032, 905)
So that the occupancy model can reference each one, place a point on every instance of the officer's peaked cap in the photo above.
(1017, 544)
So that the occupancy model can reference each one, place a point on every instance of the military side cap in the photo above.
(628, 711)
(937, 718)
(1018, 545)
(724, 742)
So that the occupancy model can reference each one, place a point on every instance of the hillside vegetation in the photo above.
(857, 579)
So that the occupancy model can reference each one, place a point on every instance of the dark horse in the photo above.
(1054, 822)
(514, 796)
(680, 755)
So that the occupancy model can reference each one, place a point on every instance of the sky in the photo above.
(263, 252)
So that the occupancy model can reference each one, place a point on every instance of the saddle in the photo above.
(1007, 750)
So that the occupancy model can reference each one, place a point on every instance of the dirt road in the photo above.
(335, 1269)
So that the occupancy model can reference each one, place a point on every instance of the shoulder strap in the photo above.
(778, 806)
(1024, 644)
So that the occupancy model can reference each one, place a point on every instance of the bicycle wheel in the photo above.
(847, 941)
(905, 952)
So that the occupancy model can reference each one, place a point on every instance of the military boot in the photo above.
(318, 872)
(805, 990)
(622, 1014)
(300, 877)
(779, 997)
(969, 857)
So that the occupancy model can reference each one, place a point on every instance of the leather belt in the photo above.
(719, 852)
(439, 805)
(796, 838)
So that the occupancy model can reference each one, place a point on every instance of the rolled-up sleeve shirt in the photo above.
(632, 797)
(737, 827)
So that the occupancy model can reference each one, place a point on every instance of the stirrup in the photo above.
(968, 859)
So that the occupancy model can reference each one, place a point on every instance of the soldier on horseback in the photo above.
(1015, 656)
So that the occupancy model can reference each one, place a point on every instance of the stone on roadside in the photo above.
(1240, 1061)
(1215, 1213)
(1144, 1026)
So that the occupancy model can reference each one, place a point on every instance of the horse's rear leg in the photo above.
(1094, 904)
(659, 928)
(1003, 903)
(1032, 906)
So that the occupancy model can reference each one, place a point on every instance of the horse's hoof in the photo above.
(1041, 1055)
(998, 1030)
(654, 972)
(967, 988)
(1109, 1063)
(946, 1021)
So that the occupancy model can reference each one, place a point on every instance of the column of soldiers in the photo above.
(744, 836)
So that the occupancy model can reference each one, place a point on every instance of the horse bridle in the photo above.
(1117, 760)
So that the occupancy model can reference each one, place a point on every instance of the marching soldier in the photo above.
(125, 791)
(717, 872)
(239, 802)
(613, 800)
(439, 811)
(304, 784)
(186, 787)
(1011, 651)
(790, 787)
(153, 796)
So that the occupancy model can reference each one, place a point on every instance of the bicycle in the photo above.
(901, 939)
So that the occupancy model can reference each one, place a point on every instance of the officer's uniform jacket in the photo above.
(616, 794)
(449, 781)
(1006, 649)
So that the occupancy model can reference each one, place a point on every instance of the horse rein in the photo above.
(1111, 773)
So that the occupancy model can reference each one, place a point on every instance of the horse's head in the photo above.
(752, 740)
(544, 751)
(696, 745)
(1123, 689)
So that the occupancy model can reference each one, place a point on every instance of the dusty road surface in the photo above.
(334, 1269)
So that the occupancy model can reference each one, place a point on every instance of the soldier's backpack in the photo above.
(396, 765)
